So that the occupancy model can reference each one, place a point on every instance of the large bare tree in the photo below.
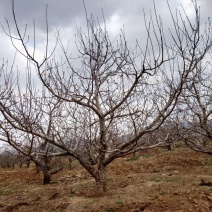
(111, 96)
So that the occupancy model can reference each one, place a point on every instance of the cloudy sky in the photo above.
(66, 14)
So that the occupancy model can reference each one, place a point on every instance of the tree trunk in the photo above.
(46, 176)
(37, 168)
(46, 170)
(169, 147)
(70, 160)
(101, 183)
(98, 173)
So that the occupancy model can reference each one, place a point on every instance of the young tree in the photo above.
(114, 96)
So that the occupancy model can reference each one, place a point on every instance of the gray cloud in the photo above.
(64, 14)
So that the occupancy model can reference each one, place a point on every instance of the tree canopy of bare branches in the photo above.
(196, 117)
(101, 104)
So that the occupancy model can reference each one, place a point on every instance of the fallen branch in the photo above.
(205, 183)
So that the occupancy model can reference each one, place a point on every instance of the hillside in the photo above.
(156, 181)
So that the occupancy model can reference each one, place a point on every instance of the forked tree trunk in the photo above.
(101, 183)
(98, 173)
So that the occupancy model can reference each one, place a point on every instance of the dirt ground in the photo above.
(157, 181)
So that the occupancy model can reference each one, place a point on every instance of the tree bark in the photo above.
(45, 169)
(46, 176)
(101, 182)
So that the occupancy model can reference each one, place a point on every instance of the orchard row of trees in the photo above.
(111, 100)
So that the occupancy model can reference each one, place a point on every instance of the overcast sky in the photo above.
(66, 14)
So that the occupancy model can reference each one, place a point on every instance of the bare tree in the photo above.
(113, 96)
(7, 157)
(196, 110)
(31, 148)
(168, 133)
(26, 111)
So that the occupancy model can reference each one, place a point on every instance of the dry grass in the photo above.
(157, 181)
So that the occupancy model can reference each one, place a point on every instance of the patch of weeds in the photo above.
(134, 158)
(152, 196)
(110, 193)
(7, 191)
(66, 165)
(119, 202)
(147, 155)
(210, 172)
(83, 185)
(80, 185)
(172, 179)
(163, 193)
(208, 161)
(156, 179)
(96, 200)
(84, 206)
(109, 179)
(109, 209)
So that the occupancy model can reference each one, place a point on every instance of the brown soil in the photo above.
(156, 181)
